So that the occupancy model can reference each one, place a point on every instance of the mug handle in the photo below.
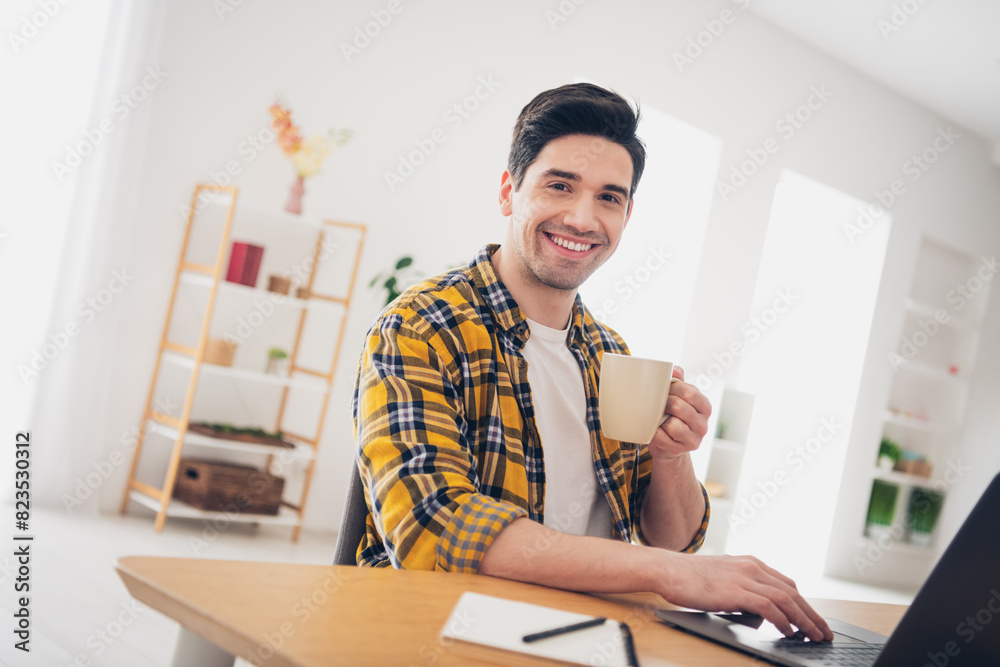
(663, 420)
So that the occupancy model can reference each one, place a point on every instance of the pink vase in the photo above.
(294, 203)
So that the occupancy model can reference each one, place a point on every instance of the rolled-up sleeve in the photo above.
(415, 457)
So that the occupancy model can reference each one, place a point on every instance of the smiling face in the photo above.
(568, 215)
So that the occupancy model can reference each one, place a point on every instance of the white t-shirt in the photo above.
(574, 501)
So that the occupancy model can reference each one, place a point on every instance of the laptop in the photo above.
(954, 620)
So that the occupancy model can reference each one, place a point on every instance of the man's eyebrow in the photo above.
(559, 173)
(573, 176)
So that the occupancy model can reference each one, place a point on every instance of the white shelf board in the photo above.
(285, 517)
(930, 370)
(902, 478)
(307, 383)
(279, 218)
(915, 424)
(898, 547)
(301, 450)
(925, 310)
(201, 280)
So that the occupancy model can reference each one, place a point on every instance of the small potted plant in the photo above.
(889, 455)
(925, 507)
(277, 361)
(881, 508)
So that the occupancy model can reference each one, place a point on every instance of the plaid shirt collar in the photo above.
(506, 312)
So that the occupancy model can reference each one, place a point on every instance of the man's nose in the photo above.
(581, 215)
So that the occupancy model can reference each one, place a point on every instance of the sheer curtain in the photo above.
(66, 417)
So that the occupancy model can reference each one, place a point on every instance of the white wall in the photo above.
(225, 72)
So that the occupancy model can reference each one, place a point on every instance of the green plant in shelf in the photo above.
(890, 449)
(882, 505)
(393, 279)
(276, 353)
(239, 430)
(889, 454)
(925, 507)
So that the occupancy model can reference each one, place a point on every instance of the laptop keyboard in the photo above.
(829, 654)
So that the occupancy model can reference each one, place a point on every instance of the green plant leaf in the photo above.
(404, 262)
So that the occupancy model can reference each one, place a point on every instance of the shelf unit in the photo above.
(730, 422)
(200, 268)
(931, 372)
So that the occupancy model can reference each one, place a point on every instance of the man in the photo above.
(476, 401)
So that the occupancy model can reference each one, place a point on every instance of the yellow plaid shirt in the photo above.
(449, 453)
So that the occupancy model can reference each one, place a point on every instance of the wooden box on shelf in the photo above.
(915, 468)
(217, 485)
(219, 351)
(279, 284)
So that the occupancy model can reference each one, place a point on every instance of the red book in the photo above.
(244, 263)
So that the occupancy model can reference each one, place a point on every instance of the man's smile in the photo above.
(574, 248)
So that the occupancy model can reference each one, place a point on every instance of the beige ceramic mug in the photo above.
(633, 396)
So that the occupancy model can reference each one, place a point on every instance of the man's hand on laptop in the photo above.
(741, 583)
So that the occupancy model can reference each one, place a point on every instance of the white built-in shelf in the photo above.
(307, 383)
(902, 478)
(201, 280)
(900, 547)
(285, 516)
(301, 450)
(916, 424)
(925, 310)
(929, 370)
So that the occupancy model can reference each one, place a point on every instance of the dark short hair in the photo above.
(576, 108)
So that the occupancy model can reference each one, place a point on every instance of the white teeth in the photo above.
(578, 247)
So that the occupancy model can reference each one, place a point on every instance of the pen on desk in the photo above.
(554, 632)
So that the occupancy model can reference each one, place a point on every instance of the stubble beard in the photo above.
(535, 269)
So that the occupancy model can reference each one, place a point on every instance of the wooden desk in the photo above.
(304, 615)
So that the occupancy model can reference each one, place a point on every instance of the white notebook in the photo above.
(491, 628)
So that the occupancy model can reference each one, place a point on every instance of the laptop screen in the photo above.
(955, 618)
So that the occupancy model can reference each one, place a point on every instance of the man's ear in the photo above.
(506, 189)
(628, 213)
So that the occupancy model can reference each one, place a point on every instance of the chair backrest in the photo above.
(352, 523)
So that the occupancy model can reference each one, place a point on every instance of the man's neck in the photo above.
(546, 305)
